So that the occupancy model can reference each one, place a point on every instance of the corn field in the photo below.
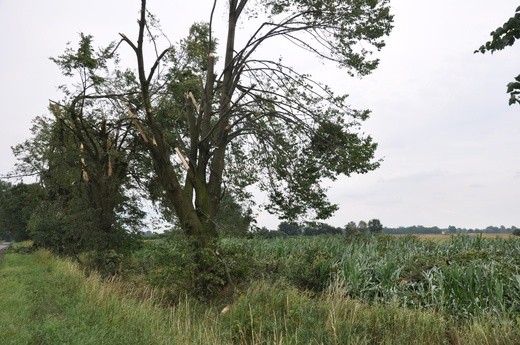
(464, 277)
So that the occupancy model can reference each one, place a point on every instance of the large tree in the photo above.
(84, 157)
(215, 126)
(502, 37)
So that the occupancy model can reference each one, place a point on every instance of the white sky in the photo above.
(448, 138)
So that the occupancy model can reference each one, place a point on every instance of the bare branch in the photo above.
(130, 43)
(156, 64)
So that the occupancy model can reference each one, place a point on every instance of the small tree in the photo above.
(375, 226)
(83, 158)
(452, 229)
(233, 219)
(351, 229)
(362, 226)
(290, 228)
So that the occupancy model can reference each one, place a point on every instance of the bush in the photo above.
(173, 265)
(106, 263)
(310, 268)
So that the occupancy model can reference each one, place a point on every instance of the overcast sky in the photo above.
(449, 141)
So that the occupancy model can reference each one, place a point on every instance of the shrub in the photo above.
(174, 265)
(310, 267)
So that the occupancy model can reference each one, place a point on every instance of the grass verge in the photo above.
(49, 301)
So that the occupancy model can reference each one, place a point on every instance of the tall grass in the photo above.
(272, 314)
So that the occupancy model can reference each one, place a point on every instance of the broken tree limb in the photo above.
(136, 123)
(185, 164)
(191, 98)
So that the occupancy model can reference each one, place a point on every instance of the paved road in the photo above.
(3, 245)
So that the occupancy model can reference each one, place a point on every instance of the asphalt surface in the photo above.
(4, 245)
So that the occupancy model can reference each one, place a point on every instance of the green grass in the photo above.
(324, 290)
(48, 301)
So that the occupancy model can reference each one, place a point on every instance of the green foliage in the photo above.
(290, 229)
(85, 58)
(331, 28)
(107, 263)
(233, 219)
(502, 37)
(263, 232)
(311, 268)
(17, 204)
(375, 226)
(173, 265)
(69, 225)
(419, 229)
(197, 45)
(308, 229)
(167, 263)
(51, 227)
(362, 226)
(332, 143)
(318, 228)
(83, 156)
(351, 229)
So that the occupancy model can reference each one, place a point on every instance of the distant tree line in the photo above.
(373, 226)
(419, 229)
(308, 229)
(285, 228)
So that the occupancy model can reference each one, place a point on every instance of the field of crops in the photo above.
(440, 237)
(461, 277)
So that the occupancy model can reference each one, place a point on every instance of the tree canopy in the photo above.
(257, 121)
(504, 36)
